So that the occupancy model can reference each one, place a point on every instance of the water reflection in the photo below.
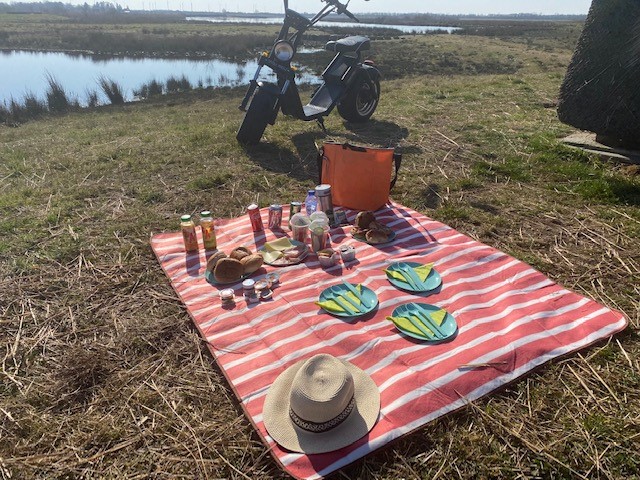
(278, 20)
(79, 73)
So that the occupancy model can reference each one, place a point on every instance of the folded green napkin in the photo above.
(437, 316)
(422, 271)
(334, 307)
(405, 324)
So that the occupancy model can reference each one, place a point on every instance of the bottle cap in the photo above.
(185, 218)
(311, 192)
(205, 213)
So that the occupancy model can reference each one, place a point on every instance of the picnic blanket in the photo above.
(507, 313)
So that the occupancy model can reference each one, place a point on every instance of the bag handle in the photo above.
(397, 160)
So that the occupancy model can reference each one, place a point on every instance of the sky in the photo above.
(398, 6)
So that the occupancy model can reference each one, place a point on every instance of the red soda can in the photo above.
(255, 218)
(275, 216)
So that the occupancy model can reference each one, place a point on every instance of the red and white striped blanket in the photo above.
(507, 312)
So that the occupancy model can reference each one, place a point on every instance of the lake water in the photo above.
(279, 20)
(80, 73)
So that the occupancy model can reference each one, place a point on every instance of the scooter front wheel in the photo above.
(360, 101)
(259, 114)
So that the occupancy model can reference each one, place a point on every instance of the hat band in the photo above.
(324, 426)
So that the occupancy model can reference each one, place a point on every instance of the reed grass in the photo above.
(175, 85)
(57, 98)
(93, 99)
(112, 90)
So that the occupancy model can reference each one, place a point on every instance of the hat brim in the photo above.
(291, 437)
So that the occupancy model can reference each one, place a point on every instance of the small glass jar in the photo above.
(273, 278)
(261, 285)
(249, 291)
(262, 289)
(248, 285)
(227, 297)
(348, 253)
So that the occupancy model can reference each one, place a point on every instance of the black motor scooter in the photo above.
(349, 83)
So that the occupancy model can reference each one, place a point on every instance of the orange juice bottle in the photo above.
(189, 233)
(208, 230)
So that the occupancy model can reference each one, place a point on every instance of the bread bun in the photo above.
(376, 236)
(214, 259)
(228, 270)
(239, 253)
(375, 225)
(251, 263)
(363, 219)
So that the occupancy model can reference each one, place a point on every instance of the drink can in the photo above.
(294, 207)
(255, 218)
(275, 216)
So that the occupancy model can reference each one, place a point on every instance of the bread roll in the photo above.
(376, 236)
(239, 253)
(375, 225)
(363, 219)
(228, 270)
(251, 263)
(214, 259)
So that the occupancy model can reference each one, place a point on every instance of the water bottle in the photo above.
(311, 202)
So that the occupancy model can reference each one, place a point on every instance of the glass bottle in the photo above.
(189, 234)
(208, 230)
(311, 202)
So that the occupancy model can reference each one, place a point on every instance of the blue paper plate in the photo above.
(369, 300)
(447, 329)
(433, 280)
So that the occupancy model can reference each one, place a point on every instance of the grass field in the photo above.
(103, 373)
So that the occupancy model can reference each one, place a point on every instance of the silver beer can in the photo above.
(275, 217)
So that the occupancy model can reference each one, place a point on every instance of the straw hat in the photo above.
(321, 404)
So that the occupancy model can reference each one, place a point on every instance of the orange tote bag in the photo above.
(360, 177)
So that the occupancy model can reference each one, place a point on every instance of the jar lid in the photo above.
(273, 277)
(261, 284)
(226, 294)
(248, 284)
(185, 218)
(205, 213)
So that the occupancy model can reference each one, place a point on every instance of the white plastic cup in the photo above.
(299, 225)
(315, 216)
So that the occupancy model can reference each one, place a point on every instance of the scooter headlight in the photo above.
(283, 51)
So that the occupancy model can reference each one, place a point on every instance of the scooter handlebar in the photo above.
(350, 15)
(340, 8)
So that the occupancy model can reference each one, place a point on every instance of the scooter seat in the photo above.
(348, 44)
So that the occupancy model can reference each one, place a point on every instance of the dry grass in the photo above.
(103, 374)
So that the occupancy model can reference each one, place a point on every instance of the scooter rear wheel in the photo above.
(361, 101)
(255, 121)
